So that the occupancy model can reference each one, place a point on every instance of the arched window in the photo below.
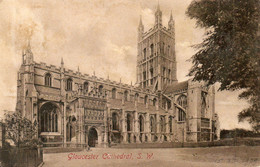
(144, 53)
(85, 86)
(146, 99)
(49, 118)
(115, 121)
(136, 97)
(100, 88)
(181, 115)
(152, 124)
(154, 102)
(182, 101)
(141, 123)
(129, 122)
(162, 124)
(152, 49)
(69, 84)
(203, 104)
(114, 93)
(47, 79)
(170, 124)
(126, 95)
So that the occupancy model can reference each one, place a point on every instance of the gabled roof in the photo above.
(175, 87)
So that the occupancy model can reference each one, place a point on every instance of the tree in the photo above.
(20, 130)
(229, 53)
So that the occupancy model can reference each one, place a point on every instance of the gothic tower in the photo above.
(156, 59)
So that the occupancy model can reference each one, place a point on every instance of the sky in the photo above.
(97, 36)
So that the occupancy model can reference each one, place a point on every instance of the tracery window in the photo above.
(170, 124)
(146, 99)
(129, 122)
(181, 115)
(182, 101)
(162, 124)
(152, 124)
(141, 123)
(114, 93)
(69, 84)
(49, 118)
(126, 95)
(47, 79)
(154, 102)
(136, 97)
(85, 86)
(115, 121)
(100, 88)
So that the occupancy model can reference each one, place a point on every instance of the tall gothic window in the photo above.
(181, 115)
(162, 124)
(144, 53)
(168, 50)
(85, 86)
(126, 95)
(136, 97)
(145, 99)
(203, 104)
(69, 84)
(152, 124)
(152, 49)
(154, 102)
(114, 93)
(49, 118)
(182, 101)
(115, 121)
(100, 88)
(170, 124)
(47, 79)
(129, 122)
(141, 123)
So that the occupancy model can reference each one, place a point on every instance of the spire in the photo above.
(62, 63)
(107, 76)
(78, 69)
(27, 53)
(171, 23)
(171, 16)
(140, 29)
(29, 45)
(158, 6)
(140, 22)
(158, 16)
(141, 26)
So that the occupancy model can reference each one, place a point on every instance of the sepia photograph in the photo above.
(123, 83)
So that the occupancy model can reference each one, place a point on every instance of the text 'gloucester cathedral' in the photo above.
(71, 108)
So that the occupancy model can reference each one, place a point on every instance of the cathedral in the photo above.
(75, 109)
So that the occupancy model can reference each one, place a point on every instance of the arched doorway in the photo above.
(71, 129)
(92, 137)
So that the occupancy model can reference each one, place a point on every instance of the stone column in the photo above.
(137, 132)
(158, 129)
(148, 127)
(106, 127)
(124, 133)
(64, 125)
(167, 127)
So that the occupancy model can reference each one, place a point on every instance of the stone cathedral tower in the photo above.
(156, 59)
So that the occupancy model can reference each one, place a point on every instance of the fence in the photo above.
(22, 157)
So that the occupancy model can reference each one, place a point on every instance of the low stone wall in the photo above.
(232, 142)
